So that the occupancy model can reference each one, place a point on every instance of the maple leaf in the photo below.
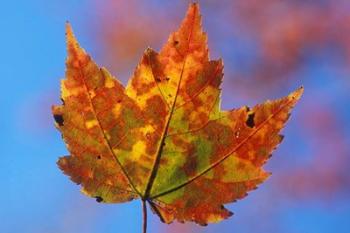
(164, 138)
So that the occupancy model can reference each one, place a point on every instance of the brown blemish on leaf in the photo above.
(181, 143)
(127, 142)
(164, 161)
(151, 140)
(221, 136)
(118, 131)
(241, 166)
(139, 84)
(146, 158)
(190, 166)
(156, 110)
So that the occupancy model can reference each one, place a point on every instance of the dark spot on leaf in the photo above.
(99, 157)
(250, 121)
(99, 199)
(59, 119)
(176, 42)
(191, 165)
(157, 79)
(119, 101)
(167, 78)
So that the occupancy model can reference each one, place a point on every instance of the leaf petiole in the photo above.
(144, 217)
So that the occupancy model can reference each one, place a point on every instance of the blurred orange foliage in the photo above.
(288, 37)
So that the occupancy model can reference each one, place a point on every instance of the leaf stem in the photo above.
(144, 215)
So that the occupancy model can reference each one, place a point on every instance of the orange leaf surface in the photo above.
(164, 138)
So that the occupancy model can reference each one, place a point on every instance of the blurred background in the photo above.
(269, 48)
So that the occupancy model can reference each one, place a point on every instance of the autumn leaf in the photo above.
(163, 138)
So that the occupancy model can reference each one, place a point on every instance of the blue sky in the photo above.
(36, 197)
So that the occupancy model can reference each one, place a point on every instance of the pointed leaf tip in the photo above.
(194, 5)
(297, 93)
(69, 31)
(73, 48)
(193, 13)
(70, 37)
(193, 9)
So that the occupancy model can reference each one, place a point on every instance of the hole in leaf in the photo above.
(250, 121)
(237, 134)
(59, 119)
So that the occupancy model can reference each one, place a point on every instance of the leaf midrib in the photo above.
(164, 134)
